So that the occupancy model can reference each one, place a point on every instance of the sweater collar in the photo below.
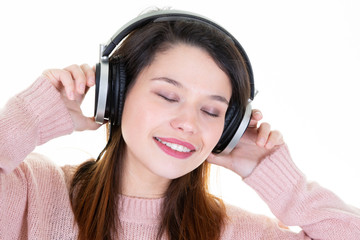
(140, 210)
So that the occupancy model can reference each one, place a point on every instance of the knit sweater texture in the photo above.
(34, 192)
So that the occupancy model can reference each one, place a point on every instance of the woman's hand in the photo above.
(72, 83)
(254, 145)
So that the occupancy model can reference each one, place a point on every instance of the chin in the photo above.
(174, 171)
(172, 175)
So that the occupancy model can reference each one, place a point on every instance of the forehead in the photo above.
(192, 67)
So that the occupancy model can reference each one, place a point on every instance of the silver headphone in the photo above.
(238, 121)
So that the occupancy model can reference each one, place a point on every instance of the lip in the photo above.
(172, 152)
(179, 142)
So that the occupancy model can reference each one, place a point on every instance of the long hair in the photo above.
(189, 210)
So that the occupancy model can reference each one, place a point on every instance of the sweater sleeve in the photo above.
(29, 119)
(319, 212)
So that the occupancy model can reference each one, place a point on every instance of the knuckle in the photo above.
(278, 135)
(48, 72)
(266, 125)
(66, 74)
(85, 66)
(72, 67)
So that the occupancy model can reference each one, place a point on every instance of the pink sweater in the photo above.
(34, 201)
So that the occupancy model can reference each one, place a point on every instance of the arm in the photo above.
(31, 118)
(319, 212)
(49, 108)
(36, 115)
(263, 160)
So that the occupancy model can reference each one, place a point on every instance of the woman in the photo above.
(151, 181)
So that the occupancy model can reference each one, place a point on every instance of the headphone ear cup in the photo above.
(122, 90)
(236, 123)
(97, 84)
(118, 83)
(233, 119)
(102, 93)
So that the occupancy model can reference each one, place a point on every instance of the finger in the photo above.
(86, 123)
(61, 78)
(79, 76)
(263, 134)
(89, 74)
(256, 116)
(92, 124)
(217, 159)
(211, 158)
(275, 139)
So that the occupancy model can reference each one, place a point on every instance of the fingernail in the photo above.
(82, 88)
(71, 95)
(258, 113)
(261, 141)
(91, 81)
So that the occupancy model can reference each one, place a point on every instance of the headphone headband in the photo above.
(172, 15)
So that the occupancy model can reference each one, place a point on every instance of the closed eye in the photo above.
(169, 99)
(174, 99)
(211, 114)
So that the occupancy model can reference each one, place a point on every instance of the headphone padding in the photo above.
(97, 84)
(233, 119)
(118, 79)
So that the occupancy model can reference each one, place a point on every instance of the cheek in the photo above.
(212, 137)
(139, 118)
(131, 120)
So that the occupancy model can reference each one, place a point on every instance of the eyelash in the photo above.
(211, 114)
(175, 100)
(167, 99)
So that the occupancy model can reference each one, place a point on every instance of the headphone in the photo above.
(111, 83)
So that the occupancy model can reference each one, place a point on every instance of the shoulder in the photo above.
(238, 216)
(36, 194)
(37, 184)
(40, 169)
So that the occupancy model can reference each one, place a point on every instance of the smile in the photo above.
(175, 147)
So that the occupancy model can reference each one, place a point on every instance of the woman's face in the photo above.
(174, 113)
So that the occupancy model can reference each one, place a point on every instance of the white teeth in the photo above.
(174, 146)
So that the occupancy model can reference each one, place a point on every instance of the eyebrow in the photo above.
(179, 85)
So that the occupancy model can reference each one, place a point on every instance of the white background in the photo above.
(305, 56)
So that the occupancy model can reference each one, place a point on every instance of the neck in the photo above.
(138, 181)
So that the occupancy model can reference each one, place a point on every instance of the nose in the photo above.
(186, 121)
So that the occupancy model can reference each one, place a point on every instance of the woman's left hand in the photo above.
(256, 143)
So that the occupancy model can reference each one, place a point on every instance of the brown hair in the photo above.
(189, 210)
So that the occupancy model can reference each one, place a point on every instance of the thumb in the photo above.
(211, 158)
(92, 124)
(217, 160)
(87, 123)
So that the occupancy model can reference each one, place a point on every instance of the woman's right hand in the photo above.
(73, 82)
